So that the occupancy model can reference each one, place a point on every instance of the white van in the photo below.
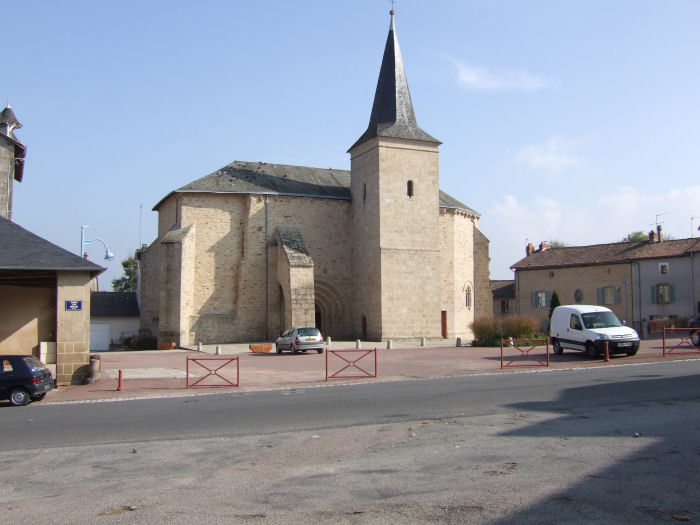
(587, 328)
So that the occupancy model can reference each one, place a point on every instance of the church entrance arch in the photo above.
(330, 310)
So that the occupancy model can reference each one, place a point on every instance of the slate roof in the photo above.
(294, 246)
(502, 289)
(617, 252)
(20, 249)
(281, 179)
(114, 304)
(392, 112)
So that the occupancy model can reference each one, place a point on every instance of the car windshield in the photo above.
(308, 332)
(34, 363)
(600, 320)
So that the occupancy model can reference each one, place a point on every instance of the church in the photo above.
(375, 253)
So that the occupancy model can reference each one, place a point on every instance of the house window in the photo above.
(409, 188)
(540, 299)
(504, 306)
(609, 295)
(663, 268)
(663, 293)
(469, 298)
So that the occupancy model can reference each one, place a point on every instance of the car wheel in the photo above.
(631, 353)
(277, 348)
(590, 351)
(293, 349)
(695, 338)
(556, 346)
(19, 397)
(320, 350)
(38, 397)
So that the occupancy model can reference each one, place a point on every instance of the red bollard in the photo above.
(121, 384)
(607, 352)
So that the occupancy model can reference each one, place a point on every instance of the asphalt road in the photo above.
(610, 444)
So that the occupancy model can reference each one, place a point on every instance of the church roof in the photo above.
(23, 250)
(264, 178)
(392, 112)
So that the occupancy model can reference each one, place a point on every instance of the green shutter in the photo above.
(672, 294)
(533, 299)
(601, 296)
(617, 295)
(653, 294)
(547, 299)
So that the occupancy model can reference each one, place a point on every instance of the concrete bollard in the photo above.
(422, 341)
(199, 347)
(328, 341)
(218, 349)
(357, 343)
(389, 344)
(459, 341)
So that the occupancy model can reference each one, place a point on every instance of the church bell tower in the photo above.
(395, 208)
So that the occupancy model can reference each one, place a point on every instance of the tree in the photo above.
(635, 237)
(553, 303)
(557, 244)
(128, 282)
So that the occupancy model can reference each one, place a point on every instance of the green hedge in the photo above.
(489, 331)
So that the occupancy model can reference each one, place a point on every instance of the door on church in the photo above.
(443, 319)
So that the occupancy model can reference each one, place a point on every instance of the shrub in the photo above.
(520, 326)
(143, 342)
(489, 332)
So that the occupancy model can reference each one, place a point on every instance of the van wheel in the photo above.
(631, 353)
(556, 346)
(277, 348)
(590, 351)
(695, 338)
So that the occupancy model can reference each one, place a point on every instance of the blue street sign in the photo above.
(74, 305)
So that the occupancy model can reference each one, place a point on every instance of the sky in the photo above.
(575, 121)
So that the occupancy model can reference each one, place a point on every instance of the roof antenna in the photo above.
(657, 223)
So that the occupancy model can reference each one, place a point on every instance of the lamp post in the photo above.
(83, 241)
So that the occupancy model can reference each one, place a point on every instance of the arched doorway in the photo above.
(330, 311)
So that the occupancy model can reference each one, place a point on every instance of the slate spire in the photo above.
(392, 112)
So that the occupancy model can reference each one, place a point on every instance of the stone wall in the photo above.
(72, 328)
(7, 154)
(483, 296)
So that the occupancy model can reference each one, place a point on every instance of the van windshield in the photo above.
(600, 320)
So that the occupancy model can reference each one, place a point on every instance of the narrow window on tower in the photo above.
(409, 188)
(364, 192)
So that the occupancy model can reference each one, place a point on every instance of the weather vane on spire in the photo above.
(392, 7)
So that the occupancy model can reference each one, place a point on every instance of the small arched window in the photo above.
(364, 192)
(469, 298)
(409, 188)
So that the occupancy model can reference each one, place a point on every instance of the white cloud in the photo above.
(483, 79)
(580, 220)
(553, 156)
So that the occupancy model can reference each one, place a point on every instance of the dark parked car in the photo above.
(23, 378)
(300, 339)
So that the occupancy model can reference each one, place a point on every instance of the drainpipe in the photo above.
(267, 277)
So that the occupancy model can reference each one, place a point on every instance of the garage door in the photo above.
(99, 337)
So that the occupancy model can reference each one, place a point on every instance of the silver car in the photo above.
(300, 339)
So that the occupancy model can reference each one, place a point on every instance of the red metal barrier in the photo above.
(213, 371)
(687, 336)
(524, 352)
(351, 363)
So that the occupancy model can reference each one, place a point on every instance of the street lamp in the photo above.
(83, 241)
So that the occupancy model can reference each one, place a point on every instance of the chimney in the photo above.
(543, 246)
(658, 233)
(529, 249)
(652, 236)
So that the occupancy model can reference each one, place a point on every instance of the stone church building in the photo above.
(374, 253)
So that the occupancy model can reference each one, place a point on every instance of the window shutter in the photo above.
(653, 294)
(547, 299)
(617, 295)
(672, 294)
(533, 299)
(601, 296)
